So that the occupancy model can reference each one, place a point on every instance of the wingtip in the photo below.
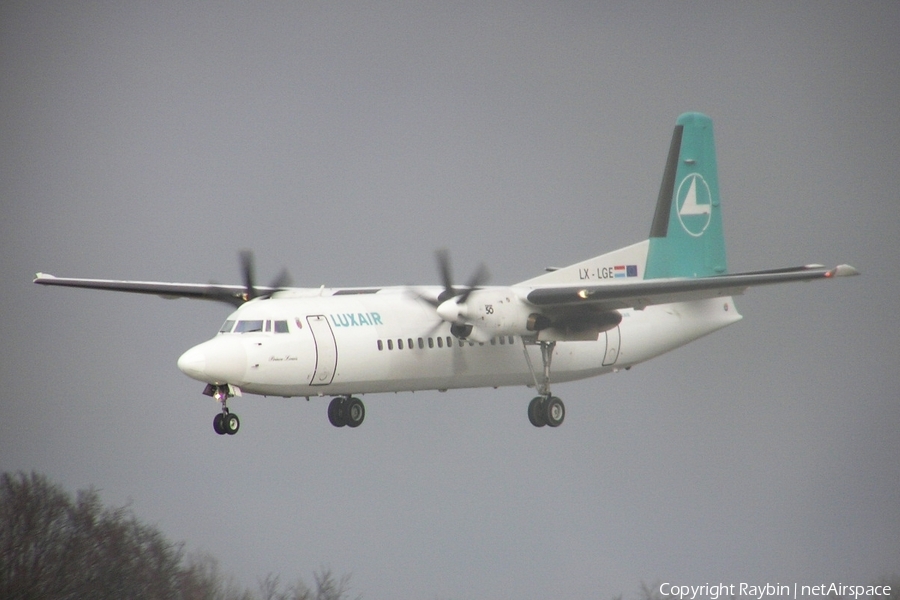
(843, 271)
(38, 277)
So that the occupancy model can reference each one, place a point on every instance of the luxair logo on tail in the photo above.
(694, 204)
(686, 238)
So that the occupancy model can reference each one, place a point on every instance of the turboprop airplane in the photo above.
(594, 317)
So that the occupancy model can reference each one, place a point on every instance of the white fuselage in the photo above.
(343, 342)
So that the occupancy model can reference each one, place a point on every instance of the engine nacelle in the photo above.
(494, 312)
(491, 312)
(580, 325)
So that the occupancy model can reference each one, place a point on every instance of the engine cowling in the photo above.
(492, 312)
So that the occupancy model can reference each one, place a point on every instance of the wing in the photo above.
(639, 294)
(230, 294)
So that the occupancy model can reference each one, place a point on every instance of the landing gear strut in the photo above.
(225, 422)
(346, 410)
(545, 409)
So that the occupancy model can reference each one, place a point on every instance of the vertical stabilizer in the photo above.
(686, 238)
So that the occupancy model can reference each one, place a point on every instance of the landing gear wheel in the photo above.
(337, 412)
(224, 422)
(217, 424)
(536, 412)
(230, 423)
(554, 411)
(354, 412)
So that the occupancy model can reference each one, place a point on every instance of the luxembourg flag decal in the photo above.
(625, 271)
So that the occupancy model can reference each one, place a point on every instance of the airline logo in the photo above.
(355, 319)
(694, 203)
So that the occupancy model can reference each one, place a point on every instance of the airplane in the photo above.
(594, 317)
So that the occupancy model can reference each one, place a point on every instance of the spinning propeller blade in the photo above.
(450, 304)
(282, 281)
(246, 258)
(478, 278)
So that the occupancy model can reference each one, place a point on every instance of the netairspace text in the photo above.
(714, 591)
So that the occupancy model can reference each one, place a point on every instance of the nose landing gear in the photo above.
(226, 422)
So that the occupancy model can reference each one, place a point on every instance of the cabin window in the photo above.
(226, 327)
(248, 326)
(399, 344)
(421, 343)
(449, 342)
(268, 326)
(431, 342)
(493, 341)
(281, 327)
(380, 346)
(390, 344)
(512, 340)
(440, 342)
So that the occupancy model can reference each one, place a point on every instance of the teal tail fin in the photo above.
(686, 239)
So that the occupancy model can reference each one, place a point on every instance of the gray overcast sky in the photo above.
(154, 140)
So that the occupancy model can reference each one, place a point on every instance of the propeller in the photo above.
(450, 304)
(478, 278)
(282, 281)
(247, 269)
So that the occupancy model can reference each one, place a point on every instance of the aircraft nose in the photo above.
(219, 361)
(193, 363)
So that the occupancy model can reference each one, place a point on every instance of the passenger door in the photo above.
(326, 350)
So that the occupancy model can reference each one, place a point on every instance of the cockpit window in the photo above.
(248, 326)
(254, 326)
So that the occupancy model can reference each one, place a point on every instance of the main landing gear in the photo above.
(225, 422)
(346, 410)
(545, 409)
